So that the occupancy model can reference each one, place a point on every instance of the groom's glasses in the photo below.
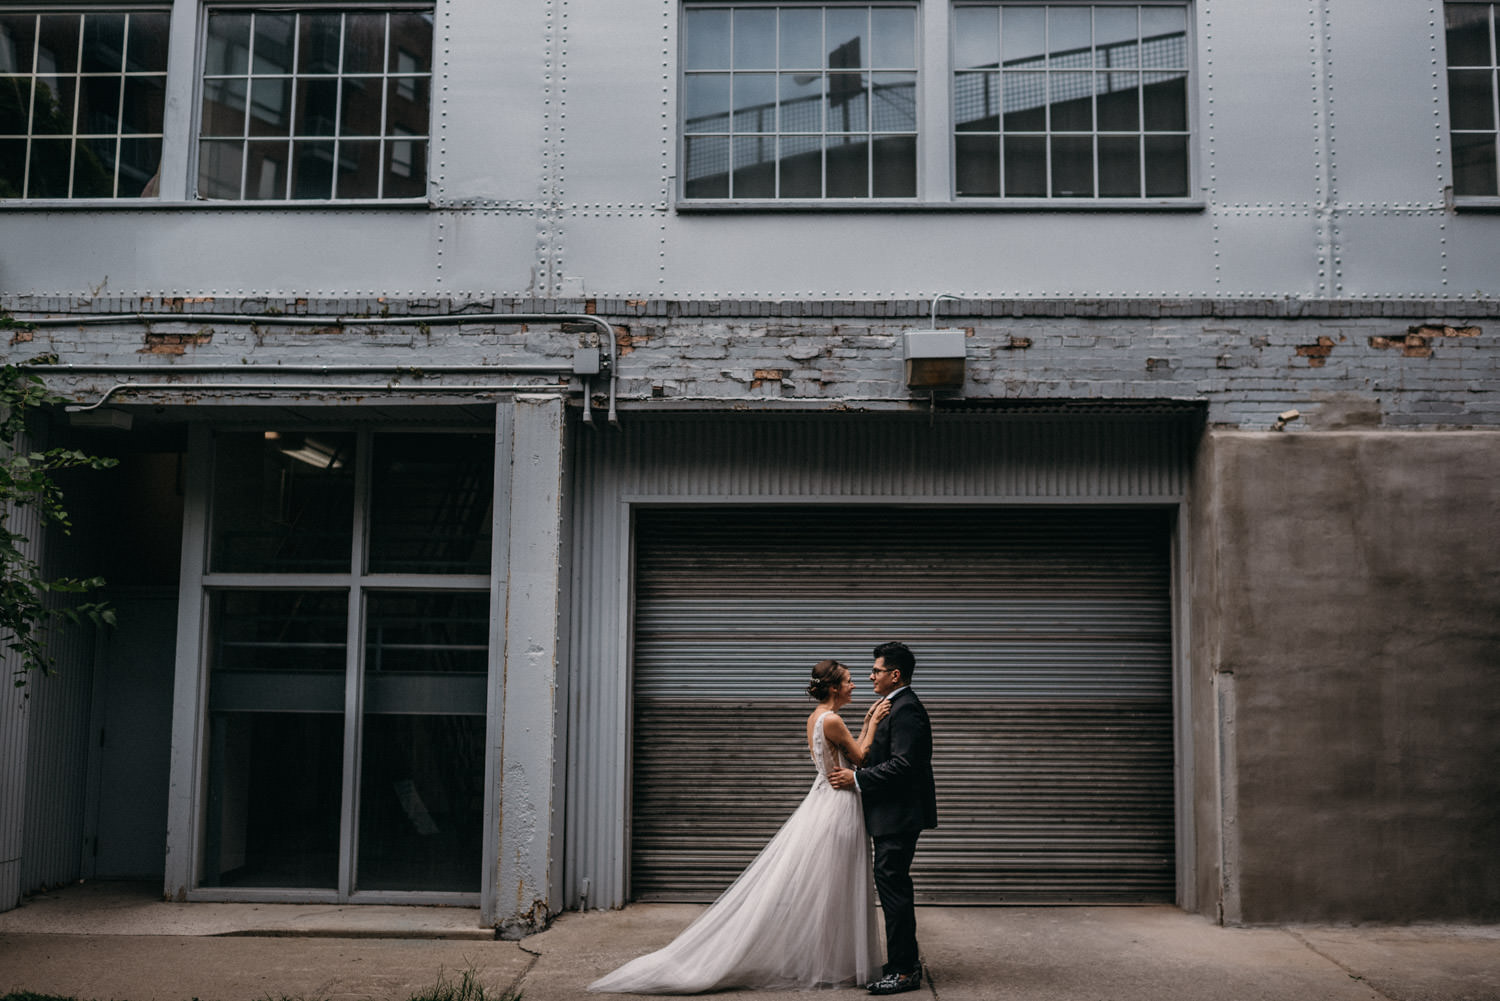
(884, 670)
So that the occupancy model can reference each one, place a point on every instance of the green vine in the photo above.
(26, 480)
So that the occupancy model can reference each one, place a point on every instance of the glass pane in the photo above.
(275, 743)
(976, 37)
(145, 97)
(1023, 34)
(754, 39)
(977, 166)
(12, 168)
(1025, 167)
(893, 38)
(273, 43)
(317, 107)
(1471, 99)
(94, 168)
(431, 503)
(801, 102)
(99, 105)
(847, 41)
(411, 42)
(1474, 169)
(848, 107)
(423, 650)
(265, 171)
(705, 167)
(405, 168)
(1164, 100)
(1163, 35)
(976, 102)
(1072, 100)
(406, 106)
(754, 102)
(227, 47)
(1118, 102)
(1115, 37)
(894, 167)
(282, 502)
(801, 38)
(219, 167)
(1072, 167)
(754, 166)
(312, 169)
(1119, 167)
(51, 168)
(705, 39)
(270, 106)
(17, 42)
(1468, 34)
(146, 50)
(1069, 32)
(224, 108)
(1025, 97)
(318, 44)
(52, 110)
(848, 167)
(364, 43)
(1166, 167)
(57, 45)
(140, 163)
(893, 102)
(359, 169)
(103, 43)
(705, 102)
(360, 114)
(801, 167)
(15, 105)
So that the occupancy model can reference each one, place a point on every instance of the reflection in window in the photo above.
(799, 102)
(283, 502)
(320, 104)
(1473, 88)
(430, 506)
(81, 100)
(1071, 101)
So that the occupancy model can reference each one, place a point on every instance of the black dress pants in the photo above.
(893, 855)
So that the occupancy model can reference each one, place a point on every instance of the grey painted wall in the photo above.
(1346, 608)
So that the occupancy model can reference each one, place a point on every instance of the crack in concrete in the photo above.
(1359, 977)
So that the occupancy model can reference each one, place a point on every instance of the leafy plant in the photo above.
(468, 988)
(26, 480)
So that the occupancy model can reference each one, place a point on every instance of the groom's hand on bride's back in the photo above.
(841, 778)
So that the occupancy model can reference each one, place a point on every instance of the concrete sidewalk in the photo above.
(114, 942)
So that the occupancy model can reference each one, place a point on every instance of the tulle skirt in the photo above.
(801, 915)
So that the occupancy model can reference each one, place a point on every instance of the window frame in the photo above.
(195, 138)
(937, 164)
(1459, 201)
(162, 8)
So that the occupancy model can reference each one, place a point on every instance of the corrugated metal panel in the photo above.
(1012, 457)
(1044, 654)
(14, 720)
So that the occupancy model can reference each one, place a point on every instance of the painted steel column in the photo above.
(14, 731)
(528, 713)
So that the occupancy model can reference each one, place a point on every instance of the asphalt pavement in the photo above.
(119, 942)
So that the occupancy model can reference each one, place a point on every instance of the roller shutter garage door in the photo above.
(1043, 643)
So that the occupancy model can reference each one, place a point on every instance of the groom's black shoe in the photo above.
(897, 983)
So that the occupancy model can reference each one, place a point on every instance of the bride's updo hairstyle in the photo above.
(825, 679)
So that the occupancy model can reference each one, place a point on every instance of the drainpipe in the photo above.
(606, 333)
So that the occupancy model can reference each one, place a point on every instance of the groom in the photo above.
(900, 802)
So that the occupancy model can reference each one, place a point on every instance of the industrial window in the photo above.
(1473, 97)
(81, 99)
(799, 102)
(1070, 101)
(322, 103)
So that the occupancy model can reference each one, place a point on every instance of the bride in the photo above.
(803, 913)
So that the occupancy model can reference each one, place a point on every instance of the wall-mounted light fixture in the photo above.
(935, 358)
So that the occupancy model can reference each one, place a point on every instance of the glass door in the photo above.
(348, 601)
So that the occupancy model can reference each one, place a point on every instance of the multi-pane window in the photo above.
(1070, 101)
(81, 99)
(1473, 97)
(799, 102)
(322, 103)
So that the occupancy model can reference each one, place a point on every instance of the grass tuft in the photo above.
(468, 988)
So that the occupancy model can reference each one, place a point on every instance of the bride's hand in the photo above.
(879, 711)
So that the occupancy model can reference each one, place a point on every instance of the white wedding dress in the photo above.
(801, 915)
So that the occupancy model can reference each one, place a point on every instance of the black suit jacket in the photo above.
(895, 783)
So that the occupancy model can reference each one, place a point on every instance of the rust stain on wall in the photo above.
(1316, 354)
(1417, 341)
(174, 344)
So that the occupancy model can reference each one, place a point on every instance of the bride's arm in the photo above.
(838, 734)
